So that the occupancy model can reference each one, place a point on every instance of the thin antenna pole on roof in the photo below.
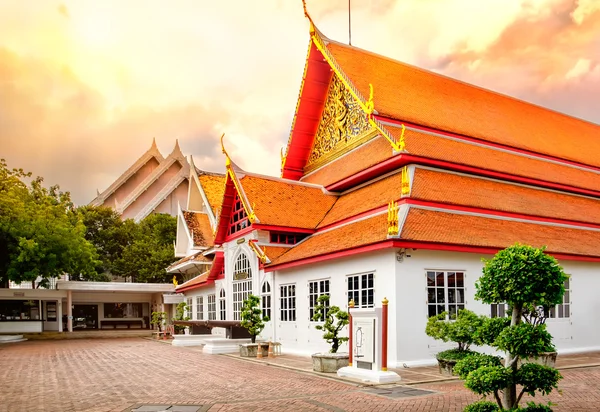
(349, 25)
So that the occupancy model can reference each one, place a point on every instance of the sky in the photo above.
(85, 85)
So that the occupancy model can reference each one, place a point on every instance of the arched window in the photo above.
(242, 284)
(222, 311)
(265, 299)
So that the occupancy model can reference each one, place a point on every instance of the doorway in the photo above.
(85, 317)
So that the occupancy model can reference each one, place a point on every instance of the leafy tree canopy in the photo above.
(41, 235)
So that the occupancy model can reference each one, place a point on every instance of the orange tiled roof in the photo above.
(361, 233)
(435, 147)
(286, 203)
(273, 252)
(449, 228)
(214, 187)
(422, 97)
(194, 282)
(455, 189)
(364, 199)
(368, 154)
(199, 226)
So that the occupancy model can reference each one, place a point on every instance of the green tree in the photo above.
(41, 235)
(331, 328)
(150, 251)
(525, 278)
(108, 233)
(252, 318)
(181, 312)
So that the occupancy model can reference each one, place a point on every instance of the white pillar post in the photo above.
(70, 310)
(59, 315)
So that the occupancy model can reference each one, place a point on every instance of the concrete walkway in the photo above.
(412, 376)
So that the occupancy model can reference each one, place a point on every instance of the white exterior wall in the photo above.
(413, 347)
(301, 336)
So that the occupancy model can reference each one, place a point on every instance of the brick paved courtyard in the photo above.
(123, 374)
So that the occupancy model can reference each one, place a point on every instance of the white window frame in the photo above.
(446, 292)
(211, 301)
(199, 307)
(265, 299)
(242, 288)
(287, 302)
(556, 310)
(359, 293)
(189, 312)
(222, 305)
(317, 288)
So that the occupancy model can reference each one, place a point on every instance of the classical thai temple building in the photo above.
(396, 182)
(153, 184)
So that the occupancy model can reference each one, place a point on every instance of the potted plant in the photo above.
(461, 328)
(157, 320)
(333, 322)
(254, 322)
(180, 314)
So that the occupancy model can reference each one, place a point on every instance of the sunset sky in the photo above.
(85, 84)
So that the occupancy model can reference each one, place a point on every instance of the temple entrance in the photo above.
(85, 317)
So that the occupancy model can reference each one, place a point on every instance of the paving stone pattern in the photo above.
(128, 374)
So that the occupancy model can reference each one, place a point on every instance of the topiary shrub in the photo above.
(482, 406)
(252, 318)
(534, 407)
(331, 328)
(526, 279)
(474, 362)
(460, 328)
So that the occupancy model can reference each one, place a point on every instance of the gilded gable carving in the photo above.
(342, 123)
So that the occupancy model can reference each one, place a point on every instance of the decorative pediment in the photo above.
(344, 124)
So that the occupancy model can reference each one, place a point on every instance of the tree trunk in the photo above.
(509, 394)
(253, 338)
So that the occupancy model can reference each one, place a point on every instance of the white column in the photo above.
(69, 311)
(59, 315)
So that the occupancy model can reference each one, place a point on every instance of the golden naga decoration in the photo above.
(283, 157)
(342, 121)
(393, 228)
(405, 181)
(262, 256)
(175, 283)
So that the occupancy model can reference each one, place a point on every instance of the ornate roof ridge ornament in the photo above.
(405, 181)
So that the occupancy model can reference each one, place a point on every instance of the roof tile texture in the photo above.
(361, 233)
(449, 228)
(277, 202)
(422, 97)
(487, 194)
(364, 199)
(199, 226)
(214, 187)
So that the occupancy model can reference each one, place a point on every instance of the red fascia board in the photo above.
(286, 229)
(308, 114)
(404, 159)
(334, 255)
(486, 143)
(197, 286)
(240, 233)
(217, 266)
(226, 207)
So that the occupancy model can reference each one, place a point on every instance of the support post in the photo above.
(384, 333)
(350, 347)
(59, 315)
(69, 310)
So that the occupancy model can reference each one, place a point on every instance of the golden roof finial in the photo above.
(175, 283)
(312, 25)
(405, 182)
(227, 159)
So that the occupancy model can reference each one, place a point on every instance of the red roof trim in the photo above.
(334, 255)
(308, 113)
(404, 159)
(240, 233)
(226, 207)
(196, 286)
(487, 143)
(217, 266)
(259, 226)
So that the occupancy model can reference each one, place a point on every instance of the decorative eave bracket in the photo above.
(396, 218)
(262, 256)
